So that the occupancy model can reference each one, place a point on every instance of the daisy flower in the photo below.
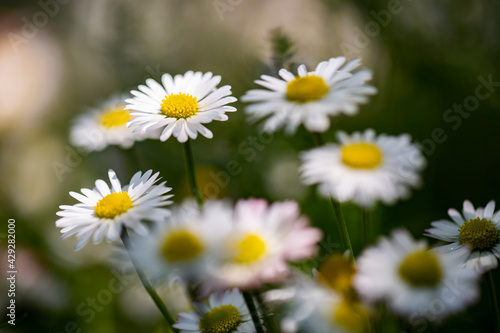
(316, 308)
(364, 168)
(104, 126)
(180, 106)
(260, 240)
(477, 229)
(225, 313)
(104, 211)
(186, 245)
(415, 281)
(309, 98)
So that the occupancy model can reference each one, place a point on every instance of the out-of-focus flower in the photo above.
(105, 125)
(311, 97)
(180, 105)
(364, 168)
(31, 74)
(316, 308)
(414, 280)
(477, 229)
(337, 272)
(186, 245)
(226, 312)
(104, 211)
(261, 239)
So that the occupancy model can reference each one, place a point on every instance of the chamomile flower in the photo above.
(179, 106)
(414, 280)
(364, 168)
(104, 211)
(260, 240)
(186, 245)
(309, 98)
(104, 126)
(226, 312)
(477, 229)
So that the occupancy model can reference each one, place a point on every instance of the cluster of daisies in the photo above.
(235, 257)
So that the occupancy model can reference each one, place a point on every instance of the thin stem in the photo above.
(268, 321)
(318, 139)
(151, 291)
(494, 301)
(367, 226)
(344, 234)
(188, 154)
(253, 311)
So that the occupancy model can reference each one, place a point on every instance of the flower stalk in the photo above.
(253, 311)
(145, 282)
(341, 225)
(188, 154)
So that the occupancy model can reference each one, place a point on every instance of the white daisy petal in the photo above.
(190, 322)
(309, 98)
(478, 232)
(456, 216)
(103, 214)
(177, 106)
(107, 125)
(410, 277)
(364, 168)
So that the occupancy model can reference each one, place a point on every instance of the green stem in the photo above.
(151, 291)
(268, 321)
(188, 154)
(318, 139)
(494, 301)
(366, 226)
(344, 234)
(253, 311)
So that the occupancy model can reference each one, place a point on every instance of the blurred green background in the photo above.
(59, 57)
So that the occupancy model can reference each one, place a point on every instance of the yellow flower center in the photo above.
(306, 89)
(112, 205)
(337, 272)
(361, 156)
(115, 118)
(249, 249)
(352, 316)
(179, 106)
(181, 246)
(222, 319)
(421, 269)
(479, 234)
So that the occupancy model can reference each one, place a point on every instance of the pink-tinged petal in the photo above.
(250, 207)
(302, 241)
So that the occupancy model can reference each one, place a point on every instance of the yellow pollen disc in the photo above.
(249, 249)
(337, 272)
(115, 117)
(181, 246)
(222, 319)
(179, 106)
(352, 316)
(479, 234)
(306, 89)
(361, 156)
(421, 269)
(112, 205)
